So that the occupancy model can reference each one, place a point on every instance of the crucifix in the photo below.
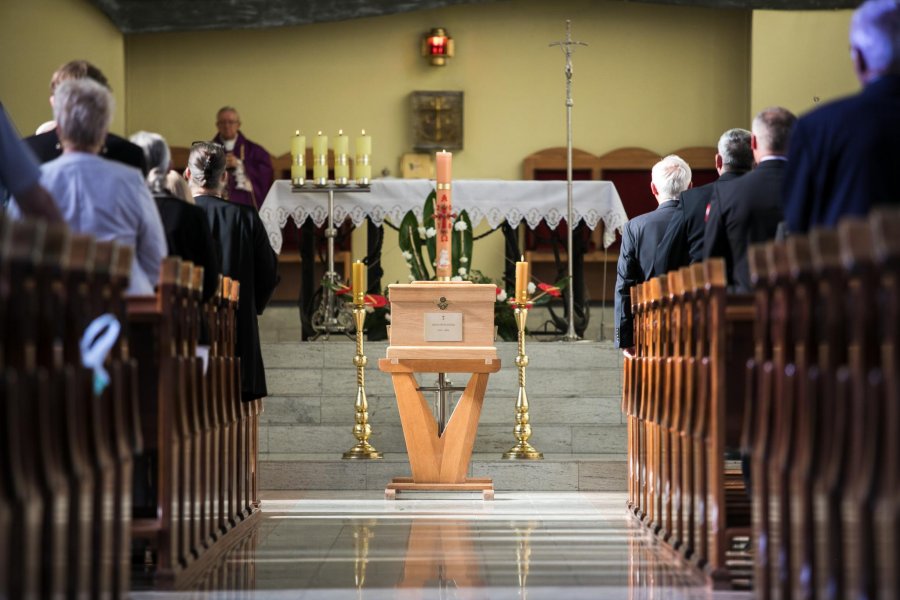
(445, 217)
(568, 48)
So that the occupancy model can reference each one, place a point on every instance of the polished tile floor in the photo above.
(526, 545)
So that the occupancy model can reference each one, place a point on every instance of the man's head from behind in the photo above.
(771, 132)
(875, 39)
(228, 122)
(670, 177)
(734, 152)
(77, 69)
(83, 110)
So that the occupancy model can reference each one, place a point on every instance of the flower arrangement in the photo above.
(377, 310)
(419, 249)
(419, 246)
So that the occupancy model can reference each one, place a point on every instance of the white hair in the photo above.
(671, 176)
(875, 33)
(83, 111)
(156, 150)
(734, 148)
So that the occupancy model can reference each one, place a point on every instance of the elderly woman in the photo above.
(187, 232)
(98, 196)
(245, 254)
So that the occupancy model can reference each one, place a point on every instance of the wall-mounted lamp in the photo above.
(437, 46)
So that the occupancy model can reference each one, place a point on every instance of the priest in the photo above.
(249, 165)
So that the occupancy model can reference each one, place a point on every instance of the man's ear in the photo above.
(754, 144)
(719, 162)
(860, 66)
(653, 189)
(187, 174)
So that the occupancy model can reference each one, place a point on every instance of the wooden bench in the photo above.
(684, 401)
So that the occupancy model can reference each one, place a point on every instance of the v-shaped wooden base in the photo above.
(439, 462)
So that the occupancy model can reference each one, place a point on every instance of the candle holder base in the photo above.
(321, 182)
(523, 451)
(364, 182)
(298, 181)
(362, 451)
(341, 182)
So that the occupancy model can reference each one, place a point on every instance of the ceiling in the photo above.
(141, 16)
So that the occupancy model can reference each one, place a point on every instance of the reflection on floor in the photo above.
(562, 546)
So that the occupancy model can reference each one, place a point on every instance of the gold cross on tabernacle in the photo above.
(445, 217)
(438, 107)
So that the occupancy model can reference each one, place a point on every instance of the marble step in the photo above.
(556, 472)
(574, 391)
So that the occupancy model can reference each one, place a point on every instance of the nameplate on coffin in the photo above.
(443, 327)
(431, 319)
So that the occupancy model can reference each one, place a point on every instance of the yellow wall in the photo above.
(800, 58)
(36, 37)
(653, 76)
(656, 76)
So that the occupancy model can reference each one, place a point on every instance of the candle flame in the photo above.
(297, 132)
(364, 132)
(340, 132)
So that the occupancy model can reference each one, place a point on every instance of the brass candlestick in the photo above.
(361, 430)
(522, 430)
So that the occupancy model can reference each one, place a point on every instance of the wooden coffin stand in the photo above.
(440, 327)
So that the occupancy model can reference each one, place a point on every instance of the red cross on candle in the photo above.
(445, 217)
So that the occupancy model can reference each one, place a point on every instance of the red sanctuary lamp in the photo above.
(437, 46)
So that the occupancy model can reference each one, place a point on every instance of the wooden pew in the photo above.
(729, 344)
(865, 414)
(809, 441)
(20, 254)
(885, 226)
(831, 388)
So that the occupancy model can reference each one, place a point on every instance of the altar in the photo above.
(501, 204)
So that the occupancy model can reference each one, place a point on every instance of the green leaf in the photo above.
(428, 221)
(462, 243)
(411, 242)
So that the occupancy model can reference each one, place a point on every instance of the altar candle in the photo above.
(298, 159)
(362, 168)
(521, 282)
(298, 144)
(359, 275)
(341, 158)
(443, 219)
(320, 159)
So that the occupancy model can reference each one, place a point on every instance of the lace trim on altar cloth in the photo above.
(394, 200)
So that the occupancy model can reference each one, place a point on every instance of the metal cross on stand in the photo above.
(443, 388)
(568, 48)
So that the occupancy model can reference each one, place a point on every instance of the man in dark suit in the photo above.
(749, 209)
(640, 238)
(46, 146)
(682, 243)
(844, 155)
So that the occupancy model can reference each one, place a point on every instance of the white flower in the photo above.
(411, 278)
(460, 225)
(463, 260)
(461, 271)
(387, 317)
(370, 309)
(531, 287)
(456, 278)
(421, 231)
(434, 263)
(407, 255)
(501, 297)
(430, 232)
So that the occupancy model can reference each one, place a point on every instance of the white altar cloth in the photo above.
(495, 201)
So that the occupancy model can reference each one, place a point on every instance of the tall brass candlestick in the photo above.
(522, 430)
(361, 430)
